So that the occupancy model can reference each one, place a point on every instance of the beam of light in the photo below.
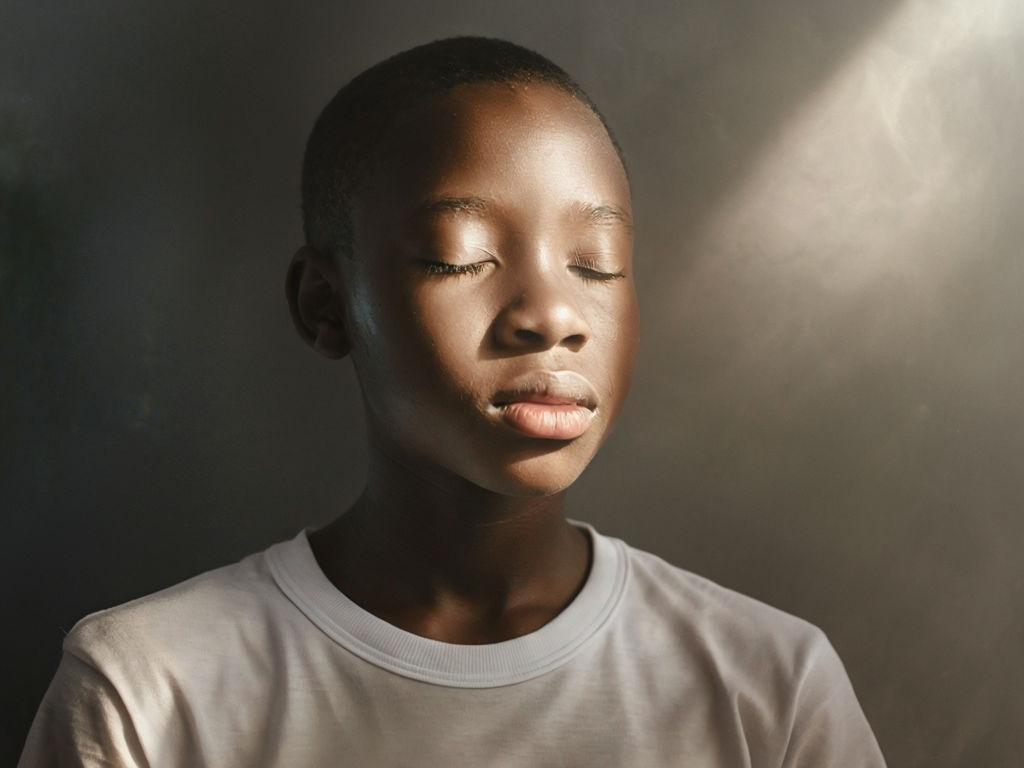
(903, 170)
(851, 334)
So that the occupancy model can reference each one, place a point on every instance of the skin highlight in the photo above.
(490, 313)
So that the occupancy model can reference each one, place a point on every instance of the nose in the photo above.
(542, 313)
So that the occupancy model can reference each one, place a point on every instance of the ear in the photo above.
(316, 302)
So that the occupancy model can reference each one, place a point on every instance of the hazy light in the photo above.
(893, 166)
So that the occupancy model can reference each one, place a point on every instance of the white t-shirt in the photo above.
(266, 663)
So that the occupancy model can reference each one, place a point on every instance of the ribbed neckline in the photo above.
(298, 575)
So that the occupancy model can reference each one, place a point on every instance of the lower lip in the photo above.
(553, 422)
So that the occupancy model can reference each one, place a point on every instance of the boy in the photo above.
(469, 245)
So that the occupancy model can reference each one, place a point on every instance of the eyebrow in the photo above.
(592, 213)
(474, 206)
(604, 215)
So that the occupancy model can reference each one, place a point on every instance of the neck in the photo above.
(453, 561)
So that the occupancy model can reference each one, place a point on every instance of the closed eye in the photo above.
(589, 269)
(444, 268)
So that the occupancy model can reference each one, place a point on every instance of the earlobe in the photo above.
(313, 287)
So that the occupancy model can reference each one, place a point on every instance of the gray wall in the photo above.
(829, 408)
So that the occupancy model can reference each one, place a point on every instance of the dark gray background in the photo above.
(828, 412)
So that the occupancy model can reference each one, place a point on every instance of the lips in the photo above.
(552, 405)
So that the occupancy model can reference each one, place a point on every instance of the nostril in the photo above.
(539, 338)
(575, 341)
(542, 323)
(525, 334)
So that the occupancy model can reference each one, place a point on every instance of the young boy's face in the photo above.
(490, 301)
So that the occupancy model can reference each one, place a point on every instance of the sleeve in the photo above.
(82, 722)
(829, 727)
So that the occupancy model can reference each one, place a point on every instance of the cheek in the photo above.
(451, 324)
(387, 342)
(618, 329)
(616, 323)
(425, 354)
(629, 333)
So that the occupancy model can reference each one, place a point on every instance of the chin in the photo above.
(535, 476)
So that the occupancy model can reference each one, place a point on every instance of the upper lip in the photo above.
(549, 388)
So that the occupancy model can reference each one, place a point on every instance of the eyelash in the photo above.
(444, 268)
(588, 270)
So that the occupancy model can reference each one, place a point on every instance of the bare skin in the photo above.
(490, 314)
(467, 566)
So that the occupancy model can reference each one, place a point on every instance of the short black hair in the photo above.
(348, 134)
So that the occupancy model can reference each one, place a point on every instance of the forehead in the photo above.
(508, 143)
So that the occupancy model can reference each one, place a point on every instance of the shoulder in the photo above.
(736, 644)
(149, 678)
(215, 610)
(715, 611)
(776, 677)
